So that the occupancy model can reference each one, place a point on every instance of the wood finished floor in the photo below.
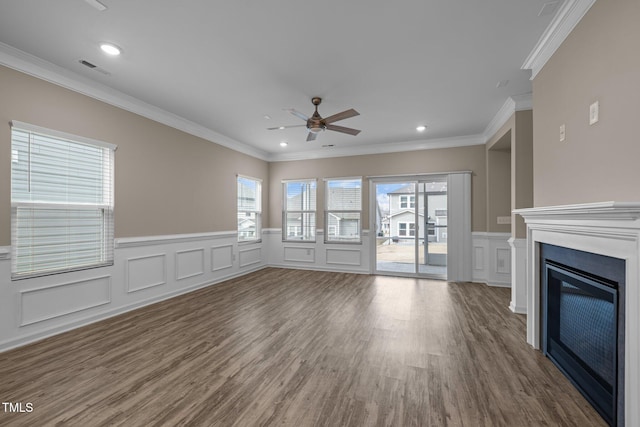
(298, 348)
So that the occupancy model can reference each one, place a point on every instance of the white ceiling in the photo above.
(225, 65)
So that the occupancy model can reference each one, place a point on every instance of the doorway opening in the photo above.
(411, 226)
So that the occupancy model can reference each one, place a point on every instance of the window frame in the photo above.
(285, 225)
(328, 212)
(257, 211)
(409, 230)
(409, 201)
(37, 205)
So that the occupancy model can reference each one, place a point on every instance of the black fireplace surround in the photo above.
(583, 324)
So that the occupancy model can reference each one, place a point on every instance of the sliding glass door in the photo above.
(411, 226)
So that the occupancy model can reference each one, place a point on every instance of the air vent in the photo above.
(87, 63)
(94, 67)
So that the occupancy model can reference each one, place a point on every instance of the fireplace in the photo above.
(583, 323)
(608, 229)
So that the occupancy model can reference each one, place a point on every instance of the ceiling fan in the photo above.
(316, 123)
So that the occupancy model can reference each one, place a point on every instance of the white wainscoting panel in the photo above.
(478, 259)
(491, 258)
(46, 303)
(299, 254)
(518, 275)
(344, 256)
(503, 261)
(249, 257)
(221, 257)
(146, 272)
(189, 263)
(316, 255)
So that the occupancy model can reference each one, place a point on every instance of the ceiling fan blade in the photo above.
(341, 116)
(286, 127)
(297, 114)
(343, 129)
(311, 136)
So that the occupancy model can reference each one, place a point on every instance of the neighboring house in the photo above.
(402, 208)
(343, 224)
(338, 223)
(382, 221)
(247, 226)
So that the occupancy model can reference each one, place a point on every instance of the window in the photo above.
(344, 210)
(61, 202)
(249, 209)
(407, 202)
(406, 229)
(299, 210)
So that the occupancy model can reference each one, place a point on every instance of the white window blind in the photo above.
(299, 210)
(249, 209)
(344, 210)
(61, 202)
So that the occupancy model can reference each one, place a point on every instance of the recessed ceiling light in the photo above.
(281, 127)
(283, 144)
(421, 128)
(110, 49)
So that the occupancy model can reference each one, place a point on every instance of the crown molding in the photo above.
(393, 147)
(510, 106)
(568, 16)
(44, 70)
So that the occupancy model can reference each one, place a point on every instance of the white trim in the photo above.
(222, 267)
(5, 252)
(44, 70)
(518, 302)
(22, 293)
(189, 274)
(286, 181)
(27, 127)
(132, 242)
(387, 147)
(127, 274)
(568, 16)
(628, 211)
(508, 109)
(486, 258)
(252, 178)
(55, 330)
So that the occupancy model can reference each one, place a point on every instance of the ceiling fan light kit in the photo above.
(316, 124)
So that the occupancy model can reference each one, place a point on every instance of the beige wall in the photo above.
(516, 137)
(414, 162)
(598, 61)
(167, 181)
(499, 184)
(522, 171)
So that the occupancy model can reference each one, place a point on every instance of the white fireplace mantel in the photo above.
(606, 228)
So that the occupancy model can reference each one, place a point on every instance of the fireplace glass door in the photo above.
(580, 316)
